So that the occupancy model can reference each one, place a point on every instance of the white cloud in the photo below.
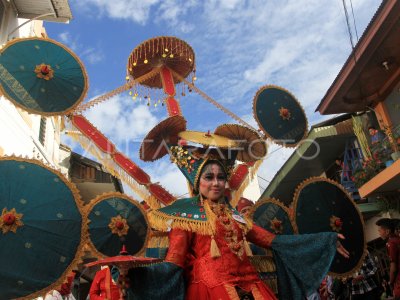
(137, 11)
(169, 176)
(122, 120)
(89, 54)
(240, 46)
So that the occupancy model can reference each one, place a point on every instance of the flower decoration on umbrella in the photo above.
(119, 226)
(284, 113)
(44, 71)
(336, 223)
(277, 226)
(10, 220)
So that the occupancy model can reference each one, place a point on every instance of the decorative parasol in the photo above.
(252, 147)
(273, 216)
(208, 139)
(124, 262)
(280, 115)
(155, 144)
(322, 205)
(115, 220)
(42, 76)
(164, 51)
(42, 230)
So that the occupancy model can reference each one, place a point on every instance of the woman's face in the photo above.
(212, 182)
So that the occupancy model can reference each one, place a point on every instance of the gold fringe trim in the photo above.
(116, 91)
(163, 222)
(84, 230)
(231, 291)
(212, 101)
(263, 264)
(158, 239)
(272, 283)
(214, 250)
(114, 169)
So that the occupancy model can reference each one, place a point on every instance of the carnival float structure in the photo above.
(45, 225)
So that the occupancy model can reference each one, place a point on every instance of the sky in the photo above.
(240, 46)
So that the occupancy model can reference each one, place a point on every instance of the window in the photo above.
(42, 130)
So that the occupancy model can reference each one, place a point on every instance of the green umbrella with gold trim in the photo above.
(42, 76)
(42, 229)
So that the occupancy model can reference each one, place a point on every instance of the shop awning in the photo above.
(30, 9)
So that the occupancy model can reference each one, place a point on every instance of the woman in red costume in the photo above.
(208, 256)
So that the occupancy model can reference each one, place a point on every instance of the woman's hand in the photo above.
(339, 247)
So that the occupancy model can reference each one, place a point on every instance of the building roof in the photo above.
(373, 68)
(48, 10)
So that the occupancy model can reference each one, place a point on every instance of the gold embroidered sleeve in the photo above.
(260, 236)
(179, 242)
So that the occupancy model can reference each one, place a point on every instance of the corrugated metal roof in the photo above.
(30, 9)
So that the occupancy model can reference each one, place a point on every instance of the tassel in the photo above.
(247, 247)
(214, 250)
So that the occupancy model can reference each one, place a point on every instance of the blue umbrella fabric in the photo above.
(115, 220)
(272, 215)
(42, 76)
(42, 229)
(323, 205)
(280, 115)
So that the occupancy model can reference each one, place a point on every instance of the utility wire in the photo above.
(348, 24)
(354, 19)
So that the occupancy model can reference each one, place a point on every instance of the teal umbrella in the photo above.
(323, 205)
(273, 216)
(280, 115)
(116, 220)
(42, 230)
(42, 76)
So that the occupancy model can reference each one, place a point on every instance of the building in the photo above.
(369, 85)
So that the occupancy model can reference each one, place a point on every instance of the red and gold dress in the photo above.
(218, 277)
(208, 256)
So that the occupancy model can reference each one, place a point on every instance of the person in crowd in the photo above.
(376, 135)
(65, 290)
(363, 283)
(244, 205)
(386, 230)
(104, 286)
